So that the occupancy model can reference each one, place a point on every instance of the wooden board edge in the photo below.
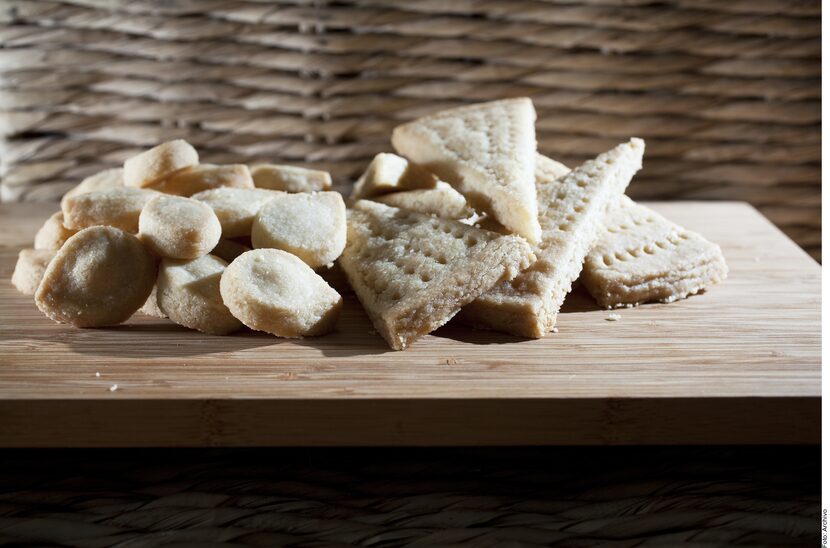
(417, 422)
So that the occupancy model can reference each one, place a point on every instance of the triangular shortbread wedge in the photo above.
(390, 173)
(487, 151)
(413, 272)
(641, 256)
(572, 212)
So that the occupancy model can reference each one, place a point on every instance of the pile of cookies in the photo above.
(173, 238)
(467, 220)
(471, 222)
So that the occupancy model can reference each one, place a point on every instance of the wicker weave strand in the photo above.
(726, 94)
(383, 497)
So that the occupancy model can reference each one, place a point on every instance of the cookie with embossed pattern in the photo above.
(414, 272)
(487, 152)
(641, 256)
(572, 210)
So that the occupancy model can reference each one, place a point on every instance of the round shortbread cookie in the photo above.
(118, 207)
(100, 276)
(391, 173)
(159, 162)
(109, 178)
(188, 292)
(53, 233)
(31, 264)
(273, 291)
(236, 207)
(441, 201)
(290, 178)
(178, 228)
(189, 181)
(311, 226)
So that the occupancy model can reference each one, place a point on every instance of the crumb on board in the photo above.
(613, 317)
(452, 361)
(113, 388)
(556, 330)
(97, 373)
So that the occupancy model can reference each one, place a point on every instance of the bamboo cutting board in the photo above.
(739, 364)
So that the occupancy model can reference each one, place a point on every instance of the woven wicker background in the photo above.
(727, 94)
(619, 497)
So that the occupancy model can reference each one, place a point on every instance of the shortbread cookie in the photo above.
(413, 272)
(228, 250)
(549, 169)
(391, 173)
(641, 257)
(109, 178)
(572, 209)
(274, 291)
(178, 227)
(100, 276)
(311, 226)
(189, 181)
(188, 292)
(487, 151)
(236, 207)
(161, 161)
(118, 207)
(31, 264)
(53, 233)
(441, 201)
(290, 178)
(151, 305)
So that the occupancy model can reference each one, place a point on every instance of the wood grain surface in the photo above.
(738, 364)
